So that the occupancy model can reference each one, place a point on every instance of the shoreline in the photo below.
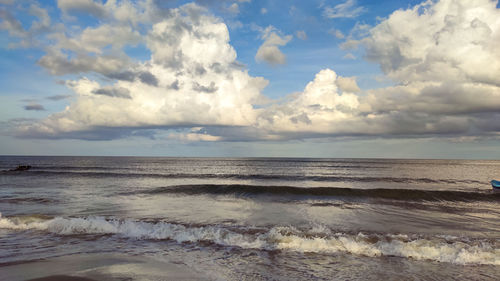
(97, 267)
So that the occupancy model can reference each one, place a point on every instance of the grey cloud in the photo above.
(269, 51)
(11, 24)
(58, 97)
(113, 92)
(145, 77)
(301, 118)
(148, 78)
(60, 64)
(206, 89)
(93, 134)
(271, 55)
(217, 67)
(124, 75)
(82, 6)
(200, 70)
(174, 85)
(347, 84)
(35, 107)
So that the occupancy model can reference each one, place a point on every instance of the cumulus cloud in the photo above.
(348, 9)
(322, 108)
(269, 51)
(192, 79)
(442, 58)
(449, 64)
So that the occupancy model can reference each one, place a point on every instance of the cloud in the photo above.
(113, 92)
(205, 89)
(348, 9)
(263, 11)
(233, 9)
(301, 34)
(269, 51)
(442, 57)
(349, 56)
(450, 63)
(58, 97)
(148, 78)
(82, 6)
(337, 33)
(347, 84)
(322, 108)
(195, 134)
(197, 82)
(97, 49)
(34, 106)
(59, 63)
(443, 62)
(27, 36)
(11, 24)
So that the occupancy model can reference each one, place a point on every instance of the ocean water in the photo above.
(257, 218)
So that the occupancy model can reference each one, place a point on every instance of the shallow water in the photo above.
(279, 219)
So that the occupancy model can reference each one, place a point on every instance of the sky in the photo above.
(251, 78)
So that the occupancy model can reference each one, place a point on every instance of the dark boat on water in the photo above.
(495, 184)
(21, 168)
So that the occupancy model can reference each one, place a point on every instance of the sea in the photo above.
(259, 218)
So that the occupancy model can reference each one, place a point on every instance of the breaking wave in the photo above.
(318, 239)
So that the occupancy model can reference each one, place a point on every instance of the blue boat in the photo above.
(495, 184)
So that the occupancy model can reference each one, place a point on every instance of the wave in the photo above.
(320, 178)
(314, 240)
(38, 200)
(380, 193)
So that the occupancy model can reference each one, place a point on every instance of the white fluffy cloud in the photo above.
(313, 111)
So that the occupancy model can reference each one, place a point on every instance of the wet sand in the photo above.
(62, 278)
(97, 267)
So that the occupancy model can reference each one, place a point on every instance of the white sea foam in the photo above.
(448, 249)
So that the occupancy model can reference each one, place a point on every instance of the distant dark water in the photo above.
(254, 219)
